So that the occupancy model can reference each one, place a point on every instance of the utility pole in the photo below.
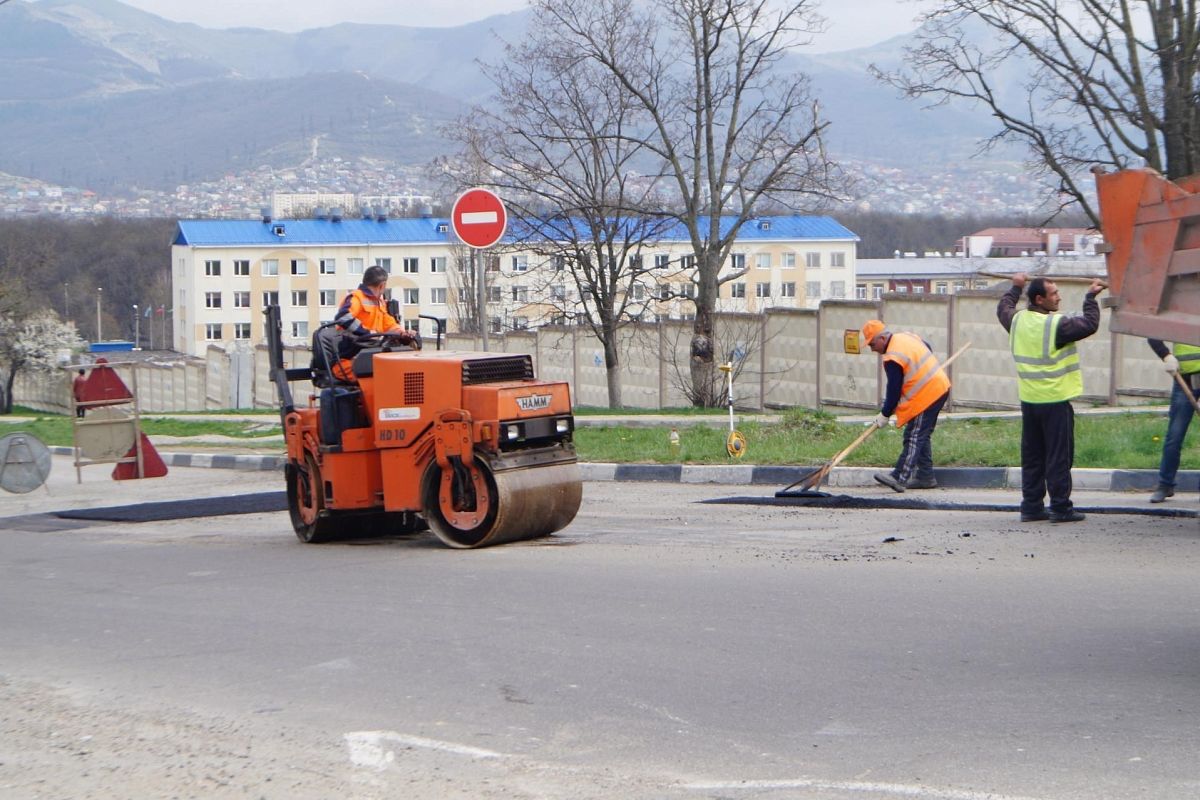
(99, 294)
(137, 328)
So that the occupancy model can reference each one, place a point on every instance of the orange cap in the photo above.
(871, 329)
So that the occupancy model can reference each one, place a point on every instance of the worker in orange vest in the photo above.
(917, 388)
(364, 312)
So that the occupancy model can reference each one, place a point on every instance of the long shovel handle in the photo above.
(1187, 390)
(862, 437)
(957, 353)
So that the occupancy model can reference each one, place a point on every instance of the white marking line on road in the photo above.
(478, 217)
(894, 789)
(373, 748)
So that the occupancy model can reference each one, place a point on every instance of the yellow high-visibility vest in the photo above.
(1189, 358)
(1047, 373)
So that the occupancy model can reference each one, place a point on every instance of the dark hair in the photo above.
(1036, 288)
(374, 275)
(80, 372)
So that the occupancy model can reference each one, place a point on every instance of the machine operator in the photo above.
(363, 313)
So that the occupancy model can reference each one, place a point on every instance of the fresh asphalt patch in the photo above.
(257, 503)
(845, 501)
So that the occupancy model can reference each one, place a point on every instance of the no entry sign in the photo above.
(479, 218)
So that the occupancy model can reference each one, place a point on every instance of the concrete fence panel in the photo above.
(844, 379)
(790, 358)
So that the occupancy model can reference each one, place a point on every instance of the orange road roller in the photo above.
(470, 444)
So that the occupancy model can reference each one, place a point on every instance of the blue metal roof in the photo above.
(249, 232)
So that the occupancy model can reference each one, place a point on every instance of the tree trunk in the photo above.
(702, 355)
(6, 402)
(612, 369)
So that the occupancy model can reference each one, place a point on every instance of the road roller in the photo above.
(468, 444)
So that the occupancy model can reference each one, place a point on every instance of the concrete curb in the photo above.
(1099, 480)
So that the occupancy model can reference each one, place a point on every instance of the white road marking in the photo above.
(893, 789)
(478, 217)
(374, 748)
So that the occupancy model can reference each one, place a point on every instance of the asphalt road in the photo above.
(658, 647)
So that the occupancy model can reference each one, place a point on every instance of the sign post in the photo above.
(479, 220)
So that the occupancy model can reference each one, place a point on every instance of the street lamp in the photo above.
(99, 294)
(137, 328)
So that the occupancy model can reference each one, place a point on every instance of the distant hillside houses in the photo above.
(1015, 242)
(225, 271)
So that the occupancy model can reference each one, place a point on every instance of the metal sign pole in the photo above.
(478, 264)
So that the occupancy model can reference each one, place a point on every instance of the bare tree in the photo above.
(1109, 82)
(555, 143)
(718, 124)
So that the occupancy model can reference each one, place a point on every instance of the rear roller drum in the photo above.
(306, 503)
(474, 506)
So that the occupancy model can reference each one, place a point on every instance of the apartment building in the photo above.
(225, 271)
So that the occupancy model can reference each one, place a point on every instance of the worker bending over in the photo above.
(917, 388)
(1185, 360)
(363, 313)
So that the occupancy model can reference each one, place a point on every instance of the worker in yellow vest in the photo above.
(917, 388)
(1042, 342)
(1186, 361)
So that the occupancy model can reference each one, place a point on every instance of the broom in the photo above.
(813, 479)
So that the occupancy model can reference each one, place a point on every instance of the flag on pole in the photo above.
(160, 311)
(148, 310)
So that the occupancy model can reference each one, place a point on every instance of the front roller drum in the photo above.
(477, 506)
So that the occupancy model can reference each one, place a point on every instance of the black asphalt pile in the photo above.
(257, 503)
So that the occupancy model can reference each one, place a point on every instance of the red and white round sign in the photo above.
(479, 218)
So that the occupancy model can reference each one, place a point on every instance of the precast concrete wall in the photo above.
(784, 358)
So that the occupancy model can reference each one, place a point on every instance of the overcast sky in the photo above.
(853, 23)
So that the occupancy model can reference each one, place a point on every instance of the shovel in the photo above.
(812, 480)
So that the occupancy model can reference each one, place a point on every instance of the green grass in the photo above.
(55, 430)
(1121, 441)
(682, 411)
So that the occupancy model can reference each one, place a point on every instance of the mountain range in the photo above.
(99, 95)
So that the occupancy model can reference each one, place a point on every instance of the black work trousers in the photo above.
(1047, 455)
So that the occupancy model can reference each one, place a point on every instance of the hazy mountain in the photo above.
(97, 94)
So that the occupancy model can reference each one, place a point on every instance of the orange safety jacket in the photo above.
(362, 312)
(924, 379)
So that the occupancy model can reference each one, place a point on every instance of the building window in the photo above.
(270, 267)
(837, 259)
(762, 290)
(438, 296)
(639, 292)
(737, 290)
(412, 297)
(558, 292)
(919, 289)
(462, 296)
(941, 287)
(837, 289)
(737, 260)
(687, 262)
(520, 294)
(664, 291)
(212, 332)
(812, 260)
(354, 266)
(241, 330)
(520, 323)
(328, 266)
(763, 261)
(386, 263)
(787, 289)
(299, 330)
(412, 324)
(212, 269)
(902, 288)
(520, 263)
(411, 266)
(860, 291)
(299, 266)
(212, 299)
(876, 291)
(812, 290)
(494, 323)
(492, 264)
(300, 297)
(789, 261)
(560, 263)
(241, 299)
(493, 294)
(662, 261)
(635, 263)
(959, 286)
(270, 299)
(437, 264)
(687, 290)
(241, 267)
(328, 297)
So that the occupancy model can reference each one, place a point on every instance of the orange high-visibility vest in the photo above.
(924, 379)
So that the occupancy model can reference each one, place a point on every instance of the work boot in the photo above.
(1067, 516)
(1035, 516)
(890, 482)
(1161, 493)
(921, 483)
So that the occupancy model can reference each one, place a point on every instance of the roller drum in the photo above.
(524, 502)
